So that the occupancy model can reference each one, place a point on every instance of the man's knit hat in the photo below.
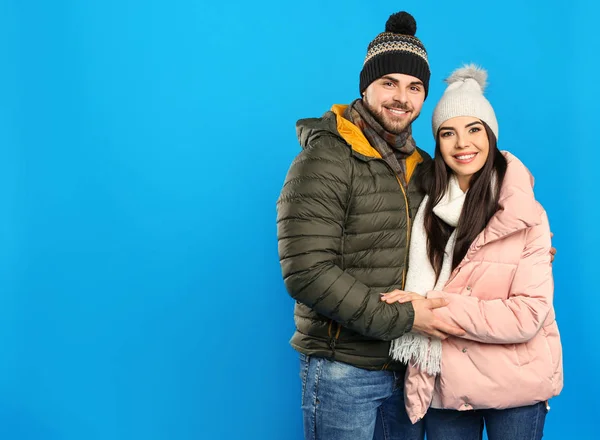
(396, 50)
(464, 97)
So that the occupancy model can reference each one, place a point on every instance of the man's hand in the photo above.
(425, 320)
(552, 250)
(428, 324)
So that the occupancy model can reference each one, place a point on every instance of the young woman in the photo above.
(482, 241)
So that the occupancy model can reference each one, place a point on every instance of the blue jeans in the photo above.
(342, 402)
(522, 423)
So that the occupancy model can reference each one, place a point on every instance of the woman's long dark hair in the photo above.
(481, 203)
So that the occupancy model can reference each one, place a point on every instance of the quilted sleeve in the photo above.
(310, 227)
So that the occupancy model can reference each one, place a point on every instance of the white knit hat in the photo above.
(464, 97)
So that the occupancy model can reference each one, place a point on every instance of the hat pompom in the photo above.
(401, 23)
(469, 71)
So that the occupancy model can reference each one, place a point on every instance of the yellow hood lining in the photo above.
(357, 140)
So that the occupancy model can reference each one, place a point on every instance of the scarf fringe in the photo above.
(423, 351)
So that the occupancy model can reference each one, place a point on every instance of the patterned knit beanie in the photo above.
(396, 50)
(464, 97)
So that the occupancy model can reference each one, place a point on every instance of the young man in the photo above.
(344, 219)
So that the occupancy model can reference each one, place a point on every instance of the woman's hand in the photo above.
(400, 296)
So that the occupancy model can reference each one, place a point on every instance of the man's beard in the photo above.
(393, 127)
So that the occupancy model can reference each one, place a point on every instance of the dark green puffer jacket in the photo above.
(343, 227)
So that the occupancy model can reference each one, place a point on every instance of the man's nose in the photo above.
(401, 96)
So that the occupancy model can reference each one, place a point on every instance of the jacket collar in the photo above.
(352, 134)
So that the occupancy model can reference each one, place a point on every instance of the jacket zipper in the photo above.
(333, 340)
(408, 220)
(408, 230)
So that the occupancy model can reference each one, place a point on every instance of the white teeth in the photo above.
(467, 157)
(399, 112)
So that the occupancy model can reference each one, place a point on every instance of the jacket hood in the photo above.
(518, 208)
(333, 123)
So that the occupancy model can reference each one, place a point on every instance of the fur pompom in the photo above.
(401, 23)
(469, 71)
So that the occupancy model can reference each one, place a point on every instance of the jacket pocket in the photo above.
(553, 345)
(523, 353)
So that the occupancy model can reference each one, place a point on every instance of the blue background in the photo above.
(143, 145)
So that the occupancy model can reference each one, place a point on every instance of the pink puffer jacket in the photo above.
(501, 295)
